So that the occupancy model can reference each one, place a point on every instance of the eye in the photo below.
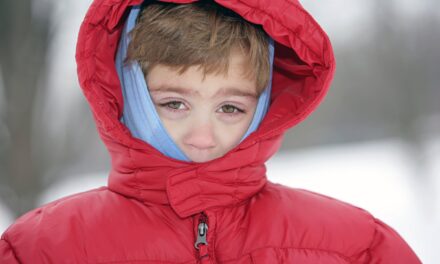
(173, 105)
(231, 109)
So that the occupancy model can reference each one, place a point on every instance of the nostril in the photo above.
(201, 143)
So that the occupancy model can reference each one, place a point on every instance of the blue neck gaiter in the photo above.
(139, 113)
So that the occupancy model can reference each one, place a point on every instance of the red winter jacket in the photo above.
(155, 208)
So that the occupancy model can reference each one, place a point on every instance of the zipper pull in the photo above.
(202, 231)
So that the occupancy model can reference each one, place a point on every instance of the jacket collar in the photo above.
(303, 70)
(190, 188)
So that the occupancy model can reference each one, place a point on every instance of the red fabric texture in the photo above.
(150, 212)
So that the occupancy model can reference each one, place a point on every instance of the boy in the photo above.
(183, 115)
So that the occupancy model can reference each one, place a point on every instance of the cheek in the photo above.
(231, 134)
(227, 134)
(175, 128)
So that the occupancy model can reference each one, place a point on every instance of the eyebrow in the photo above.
(225, 91)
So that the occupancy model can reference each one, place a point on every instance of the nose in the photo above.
(201, 136)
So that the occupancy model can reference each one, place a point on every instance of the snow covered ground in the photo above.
(6, 217)
(379, 176)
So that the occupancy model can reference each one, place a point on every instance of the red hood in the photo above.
(303, 70)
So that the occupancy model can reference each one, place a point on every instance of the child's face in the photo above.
(205, 117)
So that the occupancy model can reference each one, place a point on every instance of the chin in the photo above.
(201, 158)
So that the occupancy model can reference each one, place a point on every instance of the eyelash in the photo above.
(166, 105)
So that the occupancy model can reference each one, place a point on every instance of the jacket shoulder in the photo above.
(97, 226)
(64, 207)
(315, 222)
(318, 211)
(319, 223)
(58, 224)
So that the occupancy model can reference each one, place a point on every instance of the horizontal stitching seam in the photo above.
(346, 258)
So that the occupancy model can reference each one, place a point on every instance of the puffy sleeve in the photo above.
(7, 255)
(389, 247)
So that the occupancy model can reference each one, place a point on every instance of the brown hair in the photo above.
(200, 34)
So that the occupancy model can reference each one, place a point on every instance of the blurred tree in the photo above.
(406, 58)
(23, 47)
(386, 83)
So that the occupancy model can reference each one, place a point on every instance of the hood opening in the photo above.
(303, 67)
(302, 73)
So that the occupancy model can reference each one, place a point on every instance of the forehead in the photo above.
(193, 82)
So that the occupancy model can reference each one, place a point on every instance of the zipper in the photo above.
(201, 244)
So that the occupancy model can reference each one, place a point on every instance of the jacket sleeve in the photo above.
(389, 247)
(7, 255)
